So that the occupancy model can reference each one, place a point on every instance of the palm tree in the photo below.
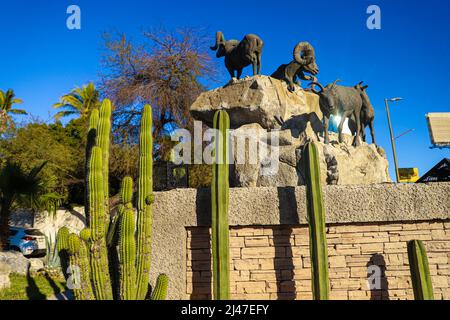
(16, 186)
(81, 101)
(7, 100)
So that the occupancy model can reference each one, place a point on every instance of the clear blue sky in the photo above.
(409, 57)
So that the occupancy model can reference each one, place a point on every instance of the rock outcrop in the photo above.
(265, 114)
(259, 99)
(5, 270)
(14, 261)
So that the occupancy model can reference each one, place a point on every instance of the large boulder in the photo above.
(15, 261)
(5, 270)
(259, 99)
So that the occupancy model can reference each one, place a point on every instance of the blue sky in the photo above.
(409, 57)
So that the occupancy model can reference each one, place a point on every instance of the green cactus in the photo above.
(160, 291)
(420, 271)
(220, 195)
(91, 140)
(316, 217)
(62, 244)
(145, 202)
(103, 142)
(112, 273)
(96, 254)
(127, 245)
(79, 261)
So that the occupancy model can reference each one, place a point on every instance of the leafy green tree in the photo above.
(80, 102)
(7, 101)
(16, 186)
(60, 146)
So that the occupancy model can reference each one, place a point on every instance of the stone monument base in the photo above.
(261, 108)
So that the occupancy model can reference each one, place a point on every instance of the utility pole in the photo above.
(392, 135)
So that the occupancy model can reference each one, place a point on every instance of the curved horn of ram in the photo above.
(313, 89)
(336, 81)
(300, 48)
(219, 39)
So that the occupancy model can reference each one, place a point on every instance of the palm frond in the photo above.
(18, 111)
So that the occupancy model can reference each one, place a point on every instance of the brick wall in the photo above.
(274, 262)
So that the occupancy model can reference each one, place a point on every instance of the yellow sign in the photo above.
(408, 175)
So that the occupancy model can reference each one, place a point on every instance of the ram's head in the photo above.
(304, 54)
(329, 100)
(223, 47)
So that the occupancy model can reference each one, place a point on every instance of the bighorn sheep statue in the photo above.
(238, 55)
(367, 114)
(342, 101)
(304, 61)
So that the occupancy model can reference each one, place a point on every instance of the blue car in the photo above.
(31, 242)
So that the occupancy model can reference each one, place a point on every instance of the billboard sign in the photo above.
(439, 128)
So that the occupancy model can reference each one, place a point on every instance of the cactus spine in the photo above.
(160, 291)
(219, 193)
(94, 251)
(420, 271)
(145, 201)
(316, 218)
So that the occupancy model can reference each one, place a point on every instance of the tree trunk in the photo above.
(4, 223)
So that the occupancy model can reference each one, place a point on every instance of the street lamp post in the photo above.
(392, 135)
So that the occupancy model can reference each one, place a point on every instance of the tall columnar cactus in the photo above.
(98, 253)
(316, 218)
(94, 251)
(160, 291)
(90, 143)
(103, 142)
(145, 202)
(220, 193)
(127, 244)
(420, 271)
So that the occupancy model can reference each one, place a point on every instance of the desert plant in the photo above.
(160, 291)
(316, 218)
(220, 193)
(93, 251)
(52, 260)
(420, 271)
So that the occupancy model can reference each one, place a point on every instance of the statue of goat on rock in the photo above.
(240, 54)
(343, 101)
(304, 61)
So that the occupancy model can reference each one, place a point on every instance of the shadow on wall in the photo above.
(200, 250)
(376, 275)
(283, 262)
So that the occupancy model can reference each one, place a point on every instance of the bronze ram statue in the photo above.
(240, 54)
(343, 101)
(367, 114)
(304, 61)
